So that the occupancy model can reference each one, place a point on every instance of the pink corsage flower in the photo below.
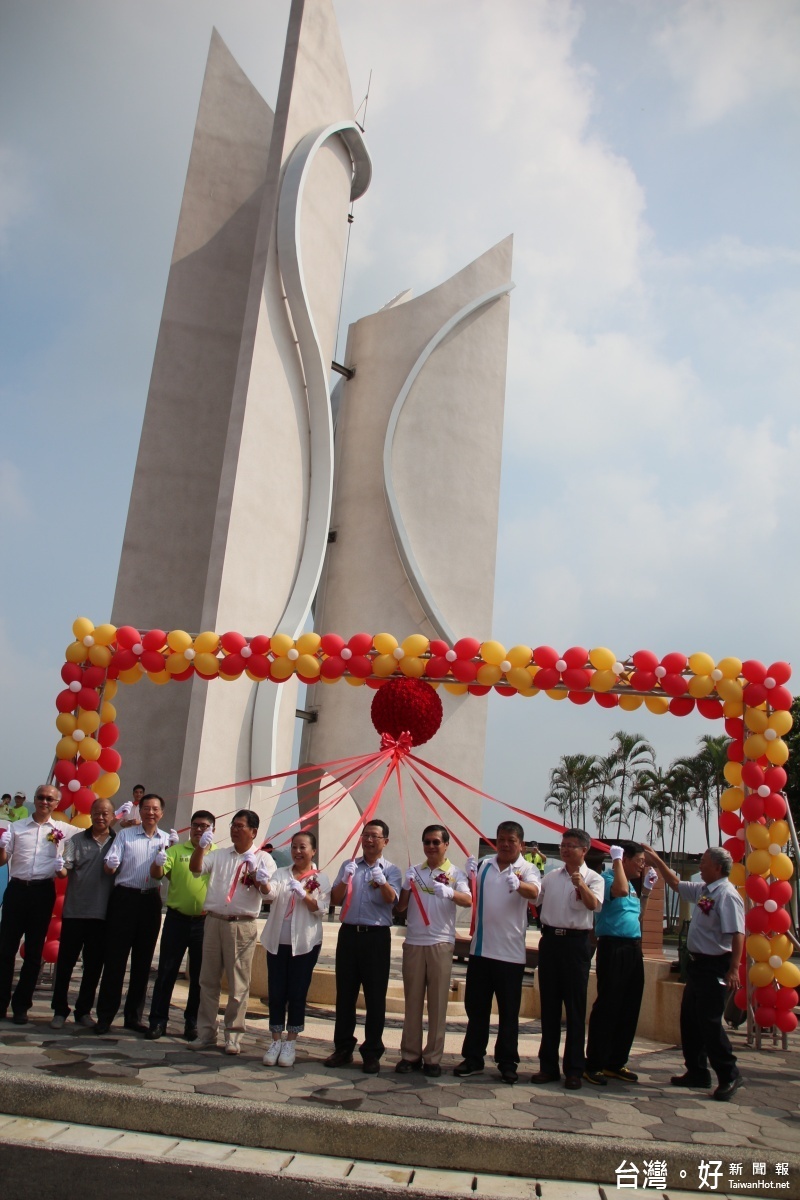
(312, 884)
(55, 836)
(705, 904)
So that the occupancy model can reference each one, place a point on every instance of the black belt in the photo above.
(30, 882)
(149, 891)
(364, 928)
(565, 932)
(177, 913)
(713, 958)
(613, 937)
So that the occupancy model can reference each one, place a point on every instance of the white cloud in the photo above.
(725, 54)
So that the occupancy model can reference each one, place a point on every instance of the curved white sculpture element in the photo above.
(401, 538)
(316, 372)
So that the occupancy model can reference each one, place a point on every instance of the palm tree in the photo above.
(605, 802)
(705, 776)
(632, 754)
(652, 792)
(571, 783)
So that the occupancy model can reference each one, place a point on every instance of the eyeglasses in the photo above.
(372, 837)
(47, 799)
(432, 842)
(238, 826)
(201, 825)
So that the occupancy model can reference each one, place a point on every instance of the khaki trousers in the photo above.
(426, 969)
(228, 946)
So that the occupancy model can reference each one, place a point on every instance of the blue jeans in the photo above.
(289, 978)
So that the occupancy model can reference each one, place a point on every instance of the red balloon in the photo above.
(71, 673)
(259, 644)
(740, 999)
(757, 920)
(65, 770)
(258, 665)
(645, 660)
(83, 800)
(128, 637)
(734, 727)
(503, 689)
(755, 694)
(779, 921)
(332, 668)
(331, 644)
(187, 674)
(775, 778)
(575, 657)
(765, 1017)
(67, 701)
(151, 660)
(464, 670)
(109, 760)
(50, 951)
(360, 665)
(786, 998)
(754, 671)
(53, 930)
(478, 689)
(576, 679)
(545, 656)
(643, 681)
(437, 667)
(123, 660)
(780, 698)
(66, 800)
(94, 677)
(735, 847)
(606, 699)
(107, 734)
(88, 772)
(735, 751)
(89, 699)
(374, 683)
(710, 708)
(309, 679)
(360, 644)
(232, 642)
(752, 807)
(780, 890)
(58, 904)
(730, 823)
(765, 996)
(674, 685)
(786, 1021)
(681, 706)
(757, 888)
(774, 806)
(438, 647)
(752, 775)
(674, 662)
(233, 664)
(548, 677)
(467, 647)
(154, 639)
(781, 672)
(579, 697)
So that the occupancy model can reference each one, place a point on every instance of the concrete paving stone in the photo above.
(505, 1187)
(153, 1145)
(199, 1152)
(6, 1120)
(23, 1130)
(719, 1139)
(216, 1088)
(265, 1162)
(456, 1183)
(86, 1137)
(479, 1117)
(318, 1166)
(519, 1119)
(632, 1118)
(607, 1129)
(380, 1174)
(557, 1189)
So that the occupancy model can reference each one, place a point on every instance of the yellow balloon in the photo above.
(66, 748)
(159, 677)
(110, 690)
(57, 815)
(701, 664)
(308, 643)
(756, 720)
(178, 640)
(354, 681)
(384, 665)
(733, 773)
(107, 785)
(82, 627)
(788, 975)
(135, 674)
(90, 749)
(630, 703)
(308, 666)
(76, 652)
(700, 686)
(281, 644)
(108, 711)
(738, 875)
(602, 681)
(455, 689)
(206, 643)
(601, 658)
(755, 745)
(65, 723)
(782, 866)
(758, 947)
(731, 799)
(759, 862)
(519, 656)
(780, 944)
(761, 974)
(174, 664)
(411, 667)
(325, 679)
(777, 752)
(657, 704)
(781, 722)
(779, 833)
(493, 653)
(729, 689)
(88, 721)
(384, 643)
(206, 663)
(733, 708)
(81, 820)
(415, 644)
(99, 656)
(758, 836)
(104, 635)
(281, 668)
(555, 694)
(488, 674)
(731, 667)
(519, 678)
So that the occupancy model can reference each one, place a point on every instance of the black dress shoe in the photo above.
(432, 1070)
(508, 1072)
(726, 1090)
(573, 1083)
(688, 1080)
(136, 1027)
(190, 1033)
(371, 1066)
(468, 1067)
(155, 1032)
(339, 1058)
(544, 1077)
(407, 1065)
(102, 1027)
(20, 1018)
(595, 1077)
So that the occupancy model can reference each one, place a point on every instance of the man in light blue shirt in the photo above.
(619, 969)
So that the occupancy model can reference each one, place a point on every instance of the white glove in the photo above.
(4, 838)
(249, 862)
(262, 873)
(206, 838)
(513, 880)
(378, 875)
(616, 853)
(125, 811)
(651, 878)
(160, 858)
(112, 859)
(471, 865)
(59, 863)
(349, 869)
(411, 875)
(174, 837)
(443, 891)
(296, 886)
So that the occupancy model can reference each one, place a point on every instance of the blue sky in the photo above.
(645, 157)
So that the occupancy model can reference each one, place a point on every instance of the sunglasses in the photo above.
(432, 842)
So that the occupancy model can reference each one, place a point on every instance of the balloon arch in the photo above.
(751, 698)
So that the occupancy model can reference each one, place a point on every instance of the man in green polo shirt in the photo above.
(19, 812)
(183, 929)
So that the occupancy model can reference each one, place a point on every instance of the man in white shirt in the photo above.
(569, 898)
(238, 878)
(33, 846)
(431, 893)
(504, 886)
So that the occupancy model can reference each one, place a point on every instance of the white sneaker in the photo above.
(86, 1021)
(287, 1053)
(58, 1022)
(232, 1048)
(271, 1057)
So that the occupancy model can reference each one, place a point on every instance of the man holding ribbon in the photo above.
(369, 886)
(238, 879)
(431, 893)
(504, 886)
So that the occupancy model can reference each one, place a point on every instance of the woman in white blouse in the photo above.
(292, 937)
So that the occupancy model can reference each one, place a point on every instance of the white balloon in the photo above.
(451, 656)
(189, 654)
(774, 848)
(769, 683)
(763, 791)
(771, 905)
(716, 674)
(398, 653)
(770, 735)
(75, 686)
(138, 648)
(346, 653)
(246, 652)
(660, 672)
(78, 735)
(505, 665)
(293, 654)
(775, 961)
(88, 640)
(73, 785)
(561, 665)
